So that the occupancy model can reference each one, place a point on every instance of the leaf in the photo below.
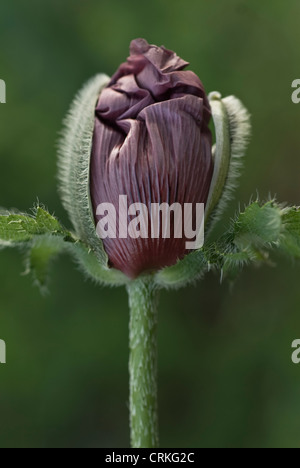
(258, 225)
(16, 228)
(235, 261)
(41, 233)
(290, 237)
(47, 222)
(45, 239)
(43, 250)
(259, 229)
(21, 228)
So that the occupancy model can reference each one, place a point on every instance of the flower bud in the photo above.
(151, 143)
(142, 139)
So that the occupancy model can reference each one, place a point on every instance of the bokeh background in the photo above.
(225, 373)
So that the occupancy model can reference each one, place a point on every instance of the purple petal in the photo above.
(151, 143)
(164, 158)
(123, 100)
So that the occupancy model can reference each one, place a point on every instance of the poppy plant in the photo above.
(142, 138)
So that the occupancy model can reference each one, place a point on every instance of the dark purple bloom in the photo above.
(152, 143)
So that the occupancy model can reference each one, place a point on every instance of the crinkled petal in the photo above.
(151, 74)
(165, 158)
(123, 100)
(160, 57)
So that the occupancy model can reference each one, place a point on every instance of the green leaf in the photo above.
(21, 228)
(290, 236)
(258, 226)
(235, 261)
(47, 222)
(252, 234)
(46, 238)
(16, 228)
(43, 250)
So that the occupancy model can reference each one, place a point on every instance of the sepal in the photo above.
(74, 164)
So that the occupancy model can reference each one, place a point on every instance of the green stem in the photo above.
(143, 364)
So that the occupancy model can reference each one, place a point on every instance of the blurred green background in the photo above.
(225, 373)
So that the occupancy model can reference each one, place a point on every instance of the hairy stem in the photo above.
(143, 364)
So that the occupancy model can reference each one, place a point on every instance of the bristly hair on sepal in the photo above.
(74, 163)
(233, 131)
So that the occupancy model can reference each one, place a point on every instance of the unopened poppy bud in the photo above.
(151, 143)
(137, 153)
